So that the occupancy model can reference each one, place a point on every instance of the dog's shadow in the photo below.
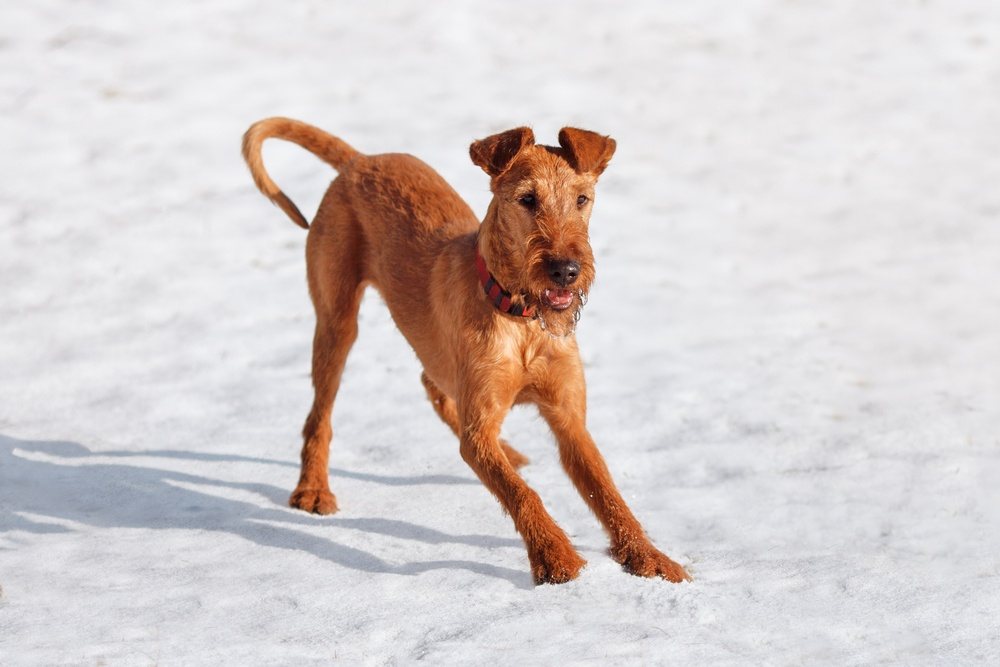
(48, 486)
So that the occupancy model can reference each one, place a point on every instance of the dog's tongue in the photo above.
(558, 298)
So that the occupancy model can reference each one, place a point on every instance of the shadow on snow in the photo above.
(66, 481)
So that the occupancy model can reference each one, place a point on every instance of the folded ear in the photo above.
(495, 153)
(587, 152)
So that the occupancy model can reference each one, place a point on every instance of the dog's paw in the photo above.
(516, 458)
(317, 501)
(556, 565)
(648, 561)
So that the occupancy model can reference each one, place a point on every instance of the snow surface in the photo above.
(792, 349)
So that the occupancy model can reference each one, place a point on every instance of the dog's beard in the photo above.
(558, 309)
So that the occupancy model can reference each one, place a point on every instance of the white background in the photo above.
(792, 348)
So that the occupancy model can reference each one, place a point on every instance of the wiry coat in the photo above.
(392, 222)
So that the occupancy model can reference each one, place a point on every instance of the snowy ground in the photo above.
(792, 349)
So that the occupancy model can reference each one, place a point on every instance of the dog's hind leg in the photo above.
(336, 286)
(445, 407)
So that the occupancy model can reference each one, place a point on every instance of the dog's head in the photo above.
(536, 231)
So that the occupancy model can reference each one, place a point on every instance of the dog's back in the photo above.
(382, 206)
(403, 208)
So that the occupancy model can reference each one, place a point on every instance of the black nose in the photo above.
(563, 271)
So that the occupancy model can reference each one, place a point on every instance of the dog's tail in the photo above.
(326, 147)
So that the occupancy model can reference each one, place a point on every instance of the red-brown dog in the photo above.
(489, 309)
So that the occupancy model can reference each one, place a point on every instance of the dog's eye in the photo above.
(581, 200)
(528, 200)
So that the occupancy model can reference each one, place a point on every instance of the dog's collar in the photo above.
(500, 297)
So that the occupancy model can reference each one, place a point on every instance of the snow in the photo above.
(792, 347)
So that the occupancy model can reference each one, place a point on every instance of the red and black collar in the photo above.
(500, 297)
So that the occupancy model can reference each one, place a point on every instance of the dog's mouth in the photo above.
(558, 299)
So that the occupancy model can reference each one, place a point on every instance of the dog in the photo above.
(490, 310)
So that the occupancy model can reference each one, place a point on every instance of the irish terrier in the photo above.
(489, 309)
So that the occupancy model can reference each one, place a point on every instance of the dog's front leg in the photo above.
(551, 555)
(563, 405)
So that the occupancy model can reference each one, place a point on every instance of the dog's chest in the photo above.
(532, 359)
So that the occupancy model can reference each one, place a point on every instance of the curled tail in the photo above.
(326, 147)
